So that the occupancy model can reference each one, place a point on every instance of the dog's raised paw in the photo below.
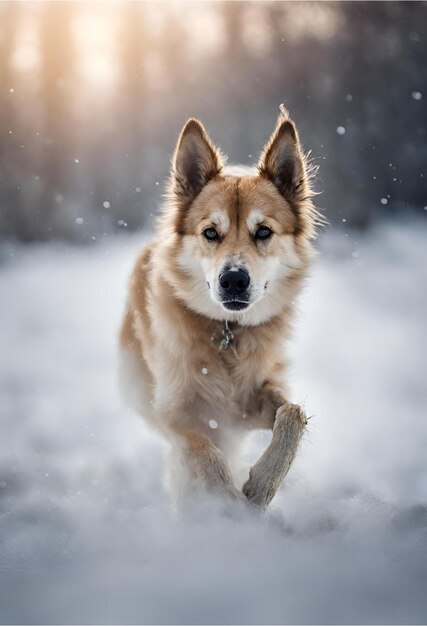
(291, 413)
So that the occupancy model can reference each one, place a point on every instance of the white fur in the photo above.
(255, 218)
(221, 221)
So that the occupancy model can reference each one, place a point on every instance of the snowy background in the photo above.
(87, 533)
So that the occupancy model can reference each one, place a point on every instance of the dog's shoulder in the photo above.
(140, 275)
(137, 291)
(144, 259)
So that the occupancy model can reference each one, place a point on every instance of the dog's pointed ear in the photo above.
(281, 160)
(195, 162)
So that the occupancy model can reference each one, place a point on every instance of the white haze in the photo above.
(87, 534)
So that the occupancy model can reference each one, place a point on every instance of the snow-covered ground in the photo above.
(87, 534)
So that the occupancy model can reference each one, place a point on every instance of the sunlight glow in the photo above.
(26, 56)
(98, 36)
(95, 35)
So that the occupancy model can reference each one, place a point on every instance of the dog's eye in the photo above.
(263, 232)
(210, 233)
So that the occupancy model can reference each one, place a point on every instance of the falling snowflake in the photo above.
(213, 424)
(340, 130)
(106, 204)
(204, 371)
(417, 95)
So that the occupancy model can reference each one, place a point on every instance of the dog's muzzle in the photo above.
(234, 289)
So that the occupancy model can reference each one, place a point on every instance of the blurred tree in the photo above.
(235, 74)
(373, 104)
(60, 174)
(132, 94)
(11, 218)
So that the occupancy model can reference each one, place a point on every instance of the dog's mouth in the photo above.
(235, 305)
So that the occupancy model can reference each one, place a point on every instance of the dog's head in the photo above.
(240, 242)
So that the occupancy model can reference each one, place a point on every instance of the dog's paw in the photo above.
(238, 496)
(290, 413)
(255, 491)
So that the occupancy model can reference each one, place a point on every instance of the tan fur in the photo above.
(174, 320)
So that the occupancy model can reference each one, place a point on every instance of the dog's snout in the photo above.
(234, 282)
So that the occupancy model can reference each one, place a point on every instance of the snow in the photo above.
(340, 130)
(87, 532)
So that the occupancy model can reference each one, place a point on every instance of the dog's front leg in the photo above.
(206, 463)
(269, 471)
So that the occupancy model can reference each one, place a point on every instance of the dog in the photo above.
(210, 307)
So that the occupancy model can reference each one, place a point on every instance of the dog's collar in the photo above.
(227, 340)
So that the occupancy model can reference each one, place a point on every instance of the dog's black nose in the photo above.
(234, 282)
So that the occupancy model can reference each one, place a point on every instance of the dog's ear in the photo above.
(281, 160)
(195, 162)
